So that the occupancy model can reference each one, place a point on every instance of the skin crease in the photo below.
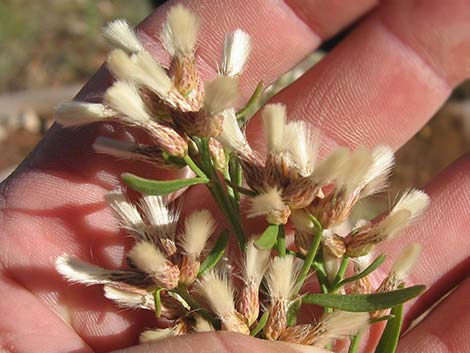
(379, 86)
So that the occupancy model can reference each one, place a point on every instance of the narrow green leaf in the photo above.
(364, 302)
(389, 341)
(261, 323)
(241, 115)
(240, 189)
(269, 237)
(371, 268)
(292, 312)
(216, 253)
(173, 160)
(158, 302)
(158, 187)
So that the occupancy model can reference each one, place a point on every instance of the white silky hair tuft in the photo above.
(147, 257)
(202, 325)
(406, 261)
(78, 113)
(302, 145)
(274, 127)
(124, 97)
(237, 47)
(394, 223)
(120, 34)
(281, 276)
(127, 213)
(179, 34)
(266, 202)
(376, 178)
(220, 93)
(409, 207)
(256, 263)
(78, 271)
(160, 217)
(161, 82)
(198, 227)
(362, 262)
(127, 299)
(331, 167)
(414, 201)
(341, 324)
(232, 136)
(352, 176)
(157, 334)
(141, 70)
(112, 147)
(216, 290)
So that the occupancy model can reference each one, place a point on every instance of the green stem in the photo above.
(240, 189)
(355, 341)
(323, 280)
(341, 271)
(281, 241)
(191, 164)
(219, 194)
(182, 291)
(242, 114)
(236, 176)
(230, 189)
(317, 237)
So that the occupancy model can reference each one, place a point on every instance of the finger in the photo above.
(445, 330)
(443, 233)
(385, 80)
(220, 342)
(19, 310)
(272, 26)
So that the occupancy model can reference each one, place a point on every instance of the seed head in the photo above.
(302, 146)
(274, 126)
(218, 293)
(270, 204)
(125, 99)
(180, 30)
(78, 271)
(220, 93)
(127, 214)
(198, 227)
(121, 35)
(78, 113)
(149, 259)
(237, 47)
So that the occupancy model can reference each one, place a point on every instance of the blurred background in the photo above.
(50, 50)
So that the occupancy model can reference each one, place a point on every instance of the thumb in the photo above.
(220, 342)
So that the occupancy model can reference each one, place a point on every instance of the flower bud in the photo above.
(248, 304)
(189, 269)
(277, 320)
(168, 139)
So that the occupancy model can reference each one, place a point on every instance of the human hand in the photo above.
(379, 86)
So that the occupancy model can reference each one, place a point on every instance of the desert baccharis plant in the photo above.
(174, 267)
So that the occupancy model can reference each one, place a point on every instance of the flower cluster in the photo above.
(175, 268)
(169, 104)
